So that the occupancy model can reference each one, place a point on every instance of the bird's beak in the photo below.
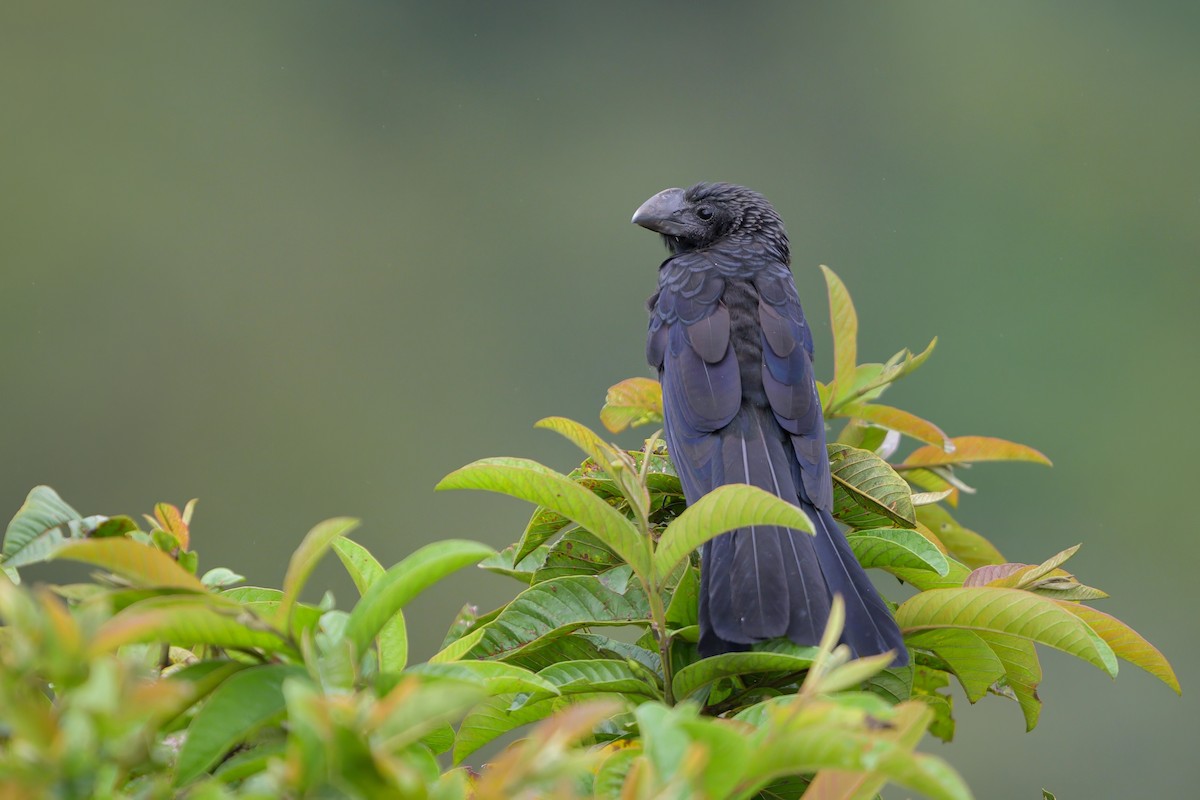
(662, 213)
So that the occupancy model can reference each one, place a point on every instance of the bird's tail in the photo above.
(870, 626)
(765, 582)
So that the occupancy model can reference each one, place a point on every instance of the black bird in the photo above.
(734, 355)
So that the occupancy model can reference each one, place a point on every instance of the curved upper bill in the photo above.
(662, 213)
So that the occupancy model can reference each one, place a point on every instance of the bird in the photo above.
(734, 355)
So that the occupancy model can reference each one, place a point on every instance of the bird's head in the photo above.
(711, 213)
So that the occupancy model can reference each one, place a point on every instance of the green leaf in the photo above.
(925, 580)
(1009, 611)
(936, 480)
(905, 727)
(42, 523)
(365, 570)
(701, 674)
(1022, 673)
(801, 746)
(458, 648)
(503, 563)
(543, 525)
(599, 451)
(495, 676)
(244, 764)
(889, 548)
(844, 320)
(557, 607)
(965, 545)
(188, 620)
(531, 481)
(363, 567)
(1126, 643)
(871, 380)
(867, 492)
(684, 606)
(416, 707)
(140, 564)
(241, 704)
(967, 653)
(404, 581)
(496, 716)
(724, 509)
(305, 559)
(220, 577)
(853, 673)
(893, 685)
(973, 449)
(602, 675)
(897, 420)
(632, 402)
(576, 553)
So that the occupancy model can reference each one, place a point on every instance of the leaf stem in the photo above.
(658, 620)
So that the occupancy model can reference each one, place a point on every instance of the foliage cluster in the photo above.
(151, 681)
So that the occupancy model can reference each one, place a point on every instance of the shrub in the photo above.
(149, 681)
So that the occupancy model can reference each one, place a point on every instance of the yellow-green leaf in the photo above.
(845, 334)
(867, 492)
(898, 420)
(188, 620)
(404, 581)
(967, 653)
(529, 480)
(140, 564)
(724, 509)
(632, 402)
(897, 548)
(987, 609)
(1126, 642)
(304, 561)
(963, 544)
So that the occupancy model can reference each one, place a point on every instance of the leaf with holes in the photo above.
(557, 607)
(867, 492)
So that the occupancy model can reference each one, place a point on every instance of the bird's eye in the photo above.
(705, 213)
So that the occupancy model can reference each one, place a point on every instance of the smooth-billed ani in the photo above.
(734, 355)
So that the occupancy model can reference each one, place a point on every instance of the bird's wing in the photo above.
(789, 382)
(688, 343)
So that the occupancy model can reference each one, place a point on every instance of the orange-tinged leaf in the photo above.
(931, 481)
(932, 537)
(171, 520)
(845, 333)
(900, 421)
(966, 545)
(1126, 643)
(632, 402)
(138, 563)
(970, 449)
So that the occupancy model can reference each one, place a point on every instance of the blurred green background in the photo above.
(301, 260)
